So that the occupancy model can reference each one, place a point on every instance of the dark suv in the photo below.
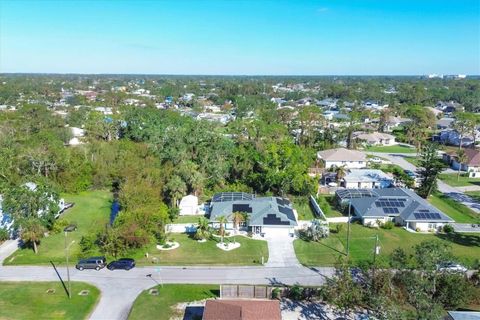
(96, 263)
(125, 264)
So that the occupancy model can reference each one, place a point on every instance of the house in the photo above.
(266, 215)
(78, 134)
(395, 122)
(189, 205)
(376, 138)
(402, 206)
(366, 179)
(242, 309)
(7, 221)
(452, 137)
(449, 107)
(341, 157)
(445, 123)
(472, 165)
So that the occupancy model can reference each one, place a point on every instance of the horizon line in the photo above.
(240, 75)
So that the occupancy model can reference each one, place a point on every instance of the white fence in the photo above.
(316, 208)
(338, 220)
(181, 228)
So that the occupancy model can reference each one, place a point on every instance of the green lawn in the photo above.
(455, 210)
(187, 219)
(326, 204)
(452, 180)
(392, 149)
(325, 253)
(302, 205)
(29, 300)
(192, 252)
(91, 212)
(412, 160)
(474, 194)
(159, 307)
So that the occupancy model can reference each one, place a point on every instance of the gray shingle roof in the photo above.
(261, 211)
(409, 206)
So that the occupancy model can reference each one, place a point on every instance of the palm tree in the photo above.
(203, 229)
(222, 220)
(32, 232)
(341, 172)
(461, 158)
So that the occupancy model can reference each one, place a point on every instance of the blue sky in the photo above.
(241, 37)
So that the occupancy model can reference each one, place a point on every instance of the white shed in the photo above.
(189, 205)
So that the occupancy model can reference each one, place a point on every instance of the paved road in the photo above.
(452, 192)
(120, 288)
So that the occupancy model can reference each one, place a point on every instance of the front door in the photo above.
(257, 229)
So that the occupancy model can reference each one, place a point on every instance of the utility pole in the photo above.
(348, 226)
(66, 231)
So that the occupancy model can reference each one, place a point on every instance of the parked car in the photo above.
(451, 267)
(376, 160)
(96, 263)
(124, 263)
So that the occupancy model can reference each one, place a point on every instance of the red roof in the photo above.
(242, 310)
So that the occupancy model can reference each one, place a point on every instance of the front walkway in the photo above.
(281, 252)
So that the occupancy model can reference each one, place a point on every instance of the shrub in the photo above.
(59, 225)
(4, 234)
(276, 293)
(388, 225)
(295, 292)
(448, 228)
(87, 244)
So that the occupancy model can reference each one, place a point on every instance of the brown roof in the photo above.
(473, 156)
(242, 310)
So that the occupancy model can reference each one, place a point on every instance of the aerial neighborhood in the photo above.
(239, 160)
(136, 173)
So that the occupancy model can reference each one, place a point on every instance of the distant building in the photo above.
(341, 157)
(376, 138)
(366, 179)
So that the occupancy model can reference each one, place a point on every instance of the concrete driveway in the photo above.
(281, 252)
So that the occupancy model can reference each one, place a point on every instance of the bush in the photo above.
(388, 225)
(276, 293)
(448, 228)
(87, 244)
(4, 235)
(59, 225)
(295, 292)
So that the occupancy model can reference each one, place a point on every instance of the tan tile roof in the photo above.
(341, 154)
(242, 310)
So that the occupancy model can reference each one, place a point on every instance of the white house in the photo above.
(366, 179)
(189, 206)
(472, 165)
(341, 157)
(78, 134)
(376, 138)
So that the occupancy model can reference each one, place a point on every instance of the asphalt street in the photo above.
(119, 288)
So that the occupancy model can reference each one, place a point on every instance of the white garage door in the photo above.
(272, 231)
